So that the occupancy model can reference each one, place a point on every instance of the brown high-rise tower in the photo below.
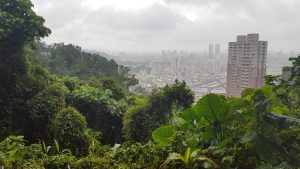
(246, 65)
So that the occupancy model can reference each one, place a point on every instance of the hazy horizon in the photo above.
(154, 25)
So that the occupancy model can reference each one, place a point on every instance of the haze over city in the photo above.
(154, 25)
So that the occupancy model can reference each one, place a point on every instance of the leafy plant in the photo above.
(164, 134)
(69, 129)
(208, 117)
(190, 159)
(155, 110)
(102, 112)
(45, 148)
(14, 148)
(43, 108)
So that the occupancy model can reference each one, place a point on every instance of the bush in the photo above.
(135, 156)
(43, 108)
(136, 123)
(61, 161)
(139, 155)
(91, 163)
(69, 130)
(143, 118)
(103, 113)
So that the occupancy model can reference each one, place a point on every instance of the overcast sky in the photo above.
(146, 25)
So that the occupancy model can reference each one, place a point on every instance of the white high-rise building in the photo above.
(246, 65)
(211, 50)
(217, 49)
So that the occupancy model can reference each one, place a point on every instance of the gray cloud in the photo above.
(59, 13)
(152, 18)
(168, 26)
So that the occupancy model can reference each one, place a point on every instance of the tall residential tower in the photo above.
(246, 65)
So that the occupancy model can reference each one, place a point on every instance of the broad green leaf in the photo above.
(184, 126)
(236, 104)
(187, 155)
(190, 115)
(267, 148)
(163, 135)
(212, 107)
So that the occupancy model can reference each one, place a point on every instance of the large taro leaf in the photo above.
(267, 148)
(212, 107)
(190, 115)
(191, 120)
(163, 135)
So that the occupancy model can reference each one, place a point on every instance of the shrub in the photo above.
(69, 130)
(103, 113)
(135, 156)
(60, 161)
(136, 123)
(43, 108)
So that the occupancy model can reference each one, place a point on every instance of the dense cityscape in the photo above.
(204, 71)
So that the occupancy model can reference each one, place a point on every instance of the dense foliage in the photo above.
(287, 89)
(102, 111)
(89, 120)
(19, 26)
(43, 108)
(71, 60)
(156, 110)
(69, 128)
(255, 131)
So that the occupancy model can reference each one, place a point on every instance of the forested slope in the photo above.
(71, 60)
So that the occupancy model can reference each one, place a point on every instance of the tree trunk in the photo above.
(14, 164)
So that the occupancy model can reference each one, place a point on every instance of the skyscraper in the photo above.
(211, 50)
(246, 65)
(217, 49)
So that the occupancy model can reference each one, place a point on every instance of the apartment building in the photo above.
(246, 65)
